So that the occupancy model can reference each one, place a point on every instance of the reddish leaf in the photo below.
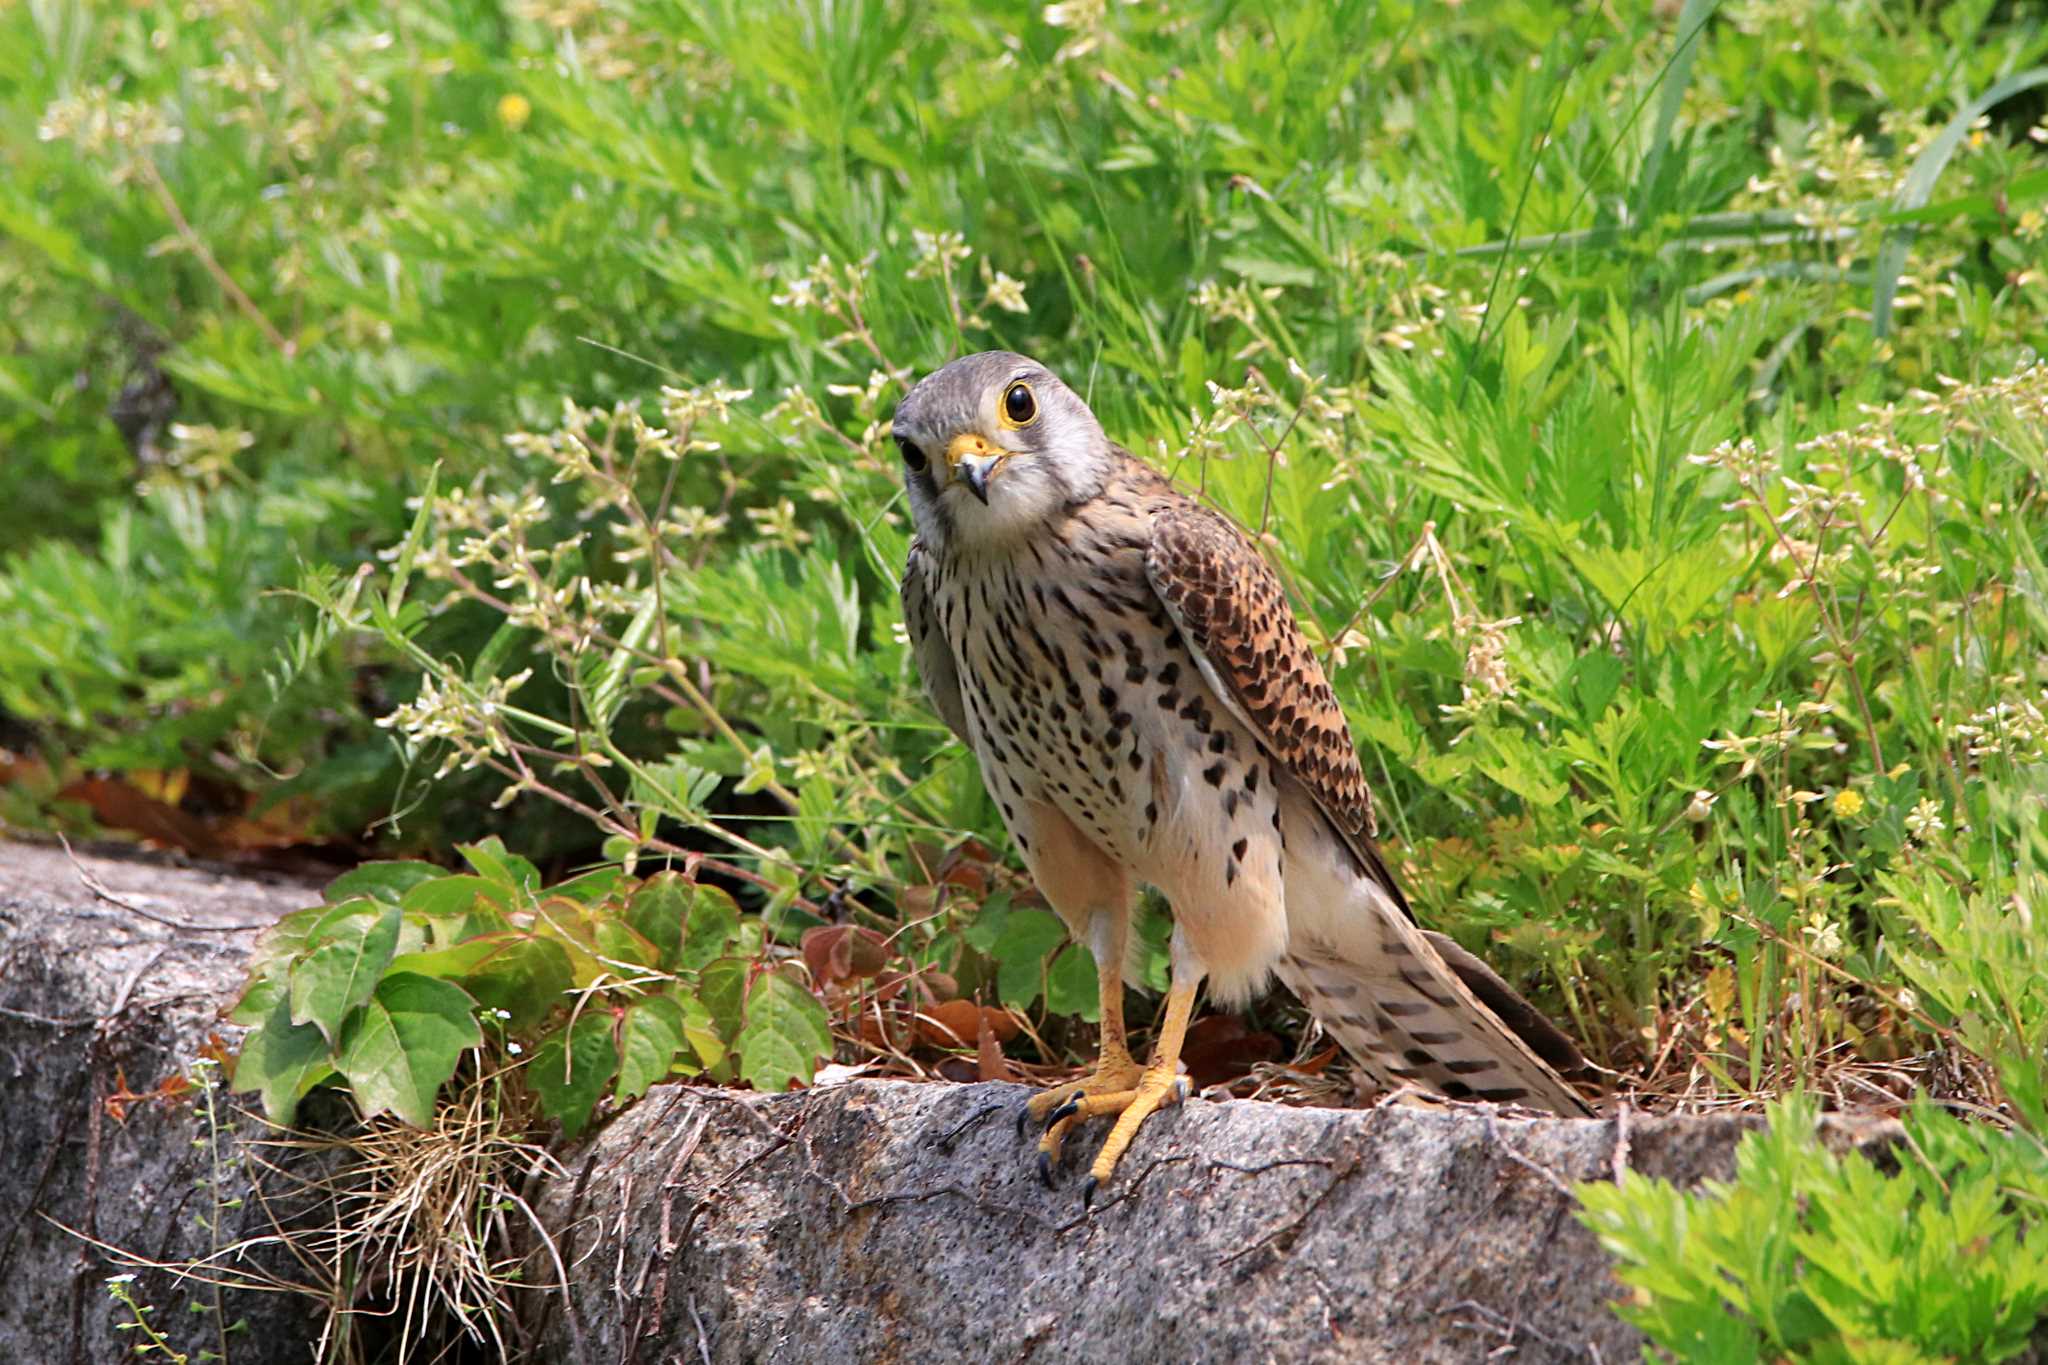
(993, 1066)
(968, 866)
(119, 804)
(932, 985)
(950, 1023)
(935, 985)
(1219, 1050)
(146, 803)
(835, 952)
(215, 1049)
(26, 769)
(1314, 1065)
(117, 1103)
(958, 1023)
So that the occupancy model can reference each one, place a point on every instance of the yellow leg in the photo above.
(1160, 1084)
(1116, 1072)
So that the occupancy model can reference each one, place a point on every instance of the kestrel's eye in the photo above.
(1019, 407)
(912, 456)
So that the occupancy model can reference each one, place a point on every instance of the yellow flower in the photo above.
(1848, 803)
(514, 111)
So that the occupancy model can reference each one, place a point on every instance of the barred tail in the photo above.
(1413, 1006)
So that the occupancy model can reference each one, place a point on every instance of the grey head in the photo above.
(994, 447)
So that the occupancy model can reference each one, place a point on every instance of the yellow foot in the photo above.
(1128, 1091)
(1058, 1107)
(1157, 1088)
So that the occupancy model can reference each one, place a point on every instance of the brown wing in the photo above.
(934, 654)
(1233, 614)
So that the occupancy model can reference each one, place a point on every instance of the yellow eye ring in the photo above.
(1020, 405)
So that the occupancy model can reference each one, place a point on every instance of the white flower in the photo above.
(1006, 293)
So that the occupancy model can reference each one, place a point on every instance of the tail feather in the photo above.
(1523, 1019)
(1413, 1006)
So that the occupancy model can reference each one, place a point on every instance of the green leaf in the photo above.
(700, 1031)
(458, 907)
(1516, 764)
(338, 976)
(1020, 951)
(260, 996)
(987, 927)
(385, 883)
(650, 1036)
(304, 929)
(405, 1042)
(1071, 985)
(1260, 270)
(622, 945)
(2011, 197)
(282, 1061)
(501, 868)
(722, 986)
(607, 690)
(714, 925)
(591, 887)
(1919, 183)
(817, 802)
(1677, 74)
(571, 1068)
(409, 549)
(785, 1034)
(658, 909)
(525, 978)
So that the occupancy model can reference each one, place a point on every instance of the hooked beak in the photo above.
(974, 462)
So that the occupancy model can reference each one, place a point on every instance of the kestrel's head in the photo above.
(994, 445)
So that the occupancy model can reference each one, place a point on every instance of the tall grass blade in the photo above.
(1919, 183)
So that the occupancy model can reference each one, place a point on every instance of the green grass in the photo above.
(1636, 400)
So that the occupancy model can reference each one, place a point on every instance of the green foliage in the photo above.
(1637, 400)
(1973, 951)
(604, 985)
(1810, 1255)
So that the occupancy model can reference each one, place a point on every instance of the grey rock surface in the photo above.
(93, 995)
(867, 1221)
(888, 1220)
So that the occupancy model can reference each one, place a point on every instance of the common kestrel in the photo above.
(1127, 669)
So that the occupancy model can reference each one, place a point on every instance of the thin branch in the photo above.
(190, 237)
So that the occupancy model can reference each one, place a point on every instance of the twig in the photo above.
(1322, 1161)
(944, 1142)
(1551, 1177)
(1508, 1328)
(120, 1005)
(1292, 1227)
(100, 892)
(44, 1019)
(1621, 1116)
(697, 1321)
(193, 243)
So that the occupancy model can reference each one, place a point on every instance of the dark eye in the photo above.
(1019, 406)
(912, 456)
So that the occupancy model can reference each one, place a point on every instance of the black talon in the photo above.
(1088, 1193)
(1045, 1169)
(1023, 1116)
(1072, 1106)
